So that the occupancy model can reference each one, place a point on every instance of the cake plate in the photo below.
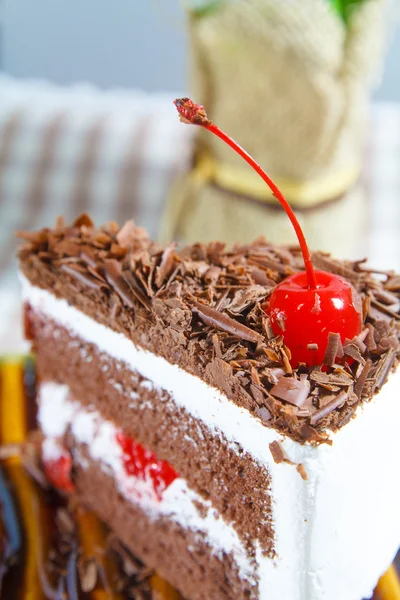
(38, 531)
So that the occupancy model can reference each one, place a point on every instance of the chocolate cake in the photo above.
(168, 405)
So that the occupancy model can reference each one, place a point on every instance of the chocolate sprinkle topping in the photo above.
(166, 265)
(126, 235)
(201, 307)
(334, 347)
(362, 378)
(383, 368)
(352, 349)
(292, 390)
(81, 275)
(328, 408)
(221, 321)
(83, 220)
(113, 274)
(135, 289)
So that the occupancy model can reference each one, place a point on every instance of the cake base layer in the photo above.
(180, 556)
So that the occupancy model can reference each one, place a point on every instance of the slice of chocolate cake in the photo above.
(169, 407)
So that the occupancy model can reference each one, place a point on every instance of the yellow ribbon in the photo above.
(13, 430)
(388, 587)
(300, 193)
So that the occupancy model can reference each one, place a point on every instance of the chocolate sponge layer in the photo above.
(238, 487)
(181, 556)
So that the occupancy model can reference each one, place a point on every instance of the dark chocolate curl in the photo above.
(113, 274)
(220, 320)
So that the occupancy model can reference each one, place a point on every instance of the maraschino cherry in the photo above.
(58, 472)
(305, 307)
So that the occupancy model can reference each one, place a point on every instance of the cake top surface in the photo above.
(200, 307)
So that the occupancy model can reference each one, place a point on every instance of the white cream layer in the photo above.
(58, 413)
(336, 533)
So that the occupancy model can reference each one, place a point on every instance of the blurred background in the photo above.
(310, 87)
(98, 41)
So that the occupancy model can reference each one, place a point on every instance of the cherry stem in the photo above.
(278, 195)
(196, 115)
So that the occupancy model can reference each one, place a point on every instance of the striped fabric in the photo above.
(115, 154)
(69, 150)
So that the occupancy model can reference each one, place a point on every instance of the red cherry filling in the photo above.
(305, 316)
(58, 472)
(143, 464)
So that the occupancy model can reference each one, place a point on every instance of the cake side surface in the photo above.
(357, 499)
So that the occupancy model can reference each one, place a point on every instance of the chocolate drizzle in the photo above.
(201, 307)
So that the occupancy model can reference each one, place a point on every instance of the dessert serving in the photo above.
(231, 416)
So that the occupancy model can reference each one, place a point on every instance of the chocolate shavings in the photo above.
(333, 349)
(359, 384)
(328, 408)
(166, 265)
(220, 320)
(292, 390)
(126, 235)
(384, 368)
(135, 289)
(277, 452)
(82, 276)
(113, 274)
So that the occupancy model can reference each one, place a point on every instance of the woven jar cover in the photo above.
(290, 81)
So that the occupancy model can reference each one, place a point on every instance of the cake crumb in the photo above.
(278, 453)
(301, 469)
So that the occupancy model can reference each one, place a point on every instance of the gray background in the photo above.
(115, 43)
